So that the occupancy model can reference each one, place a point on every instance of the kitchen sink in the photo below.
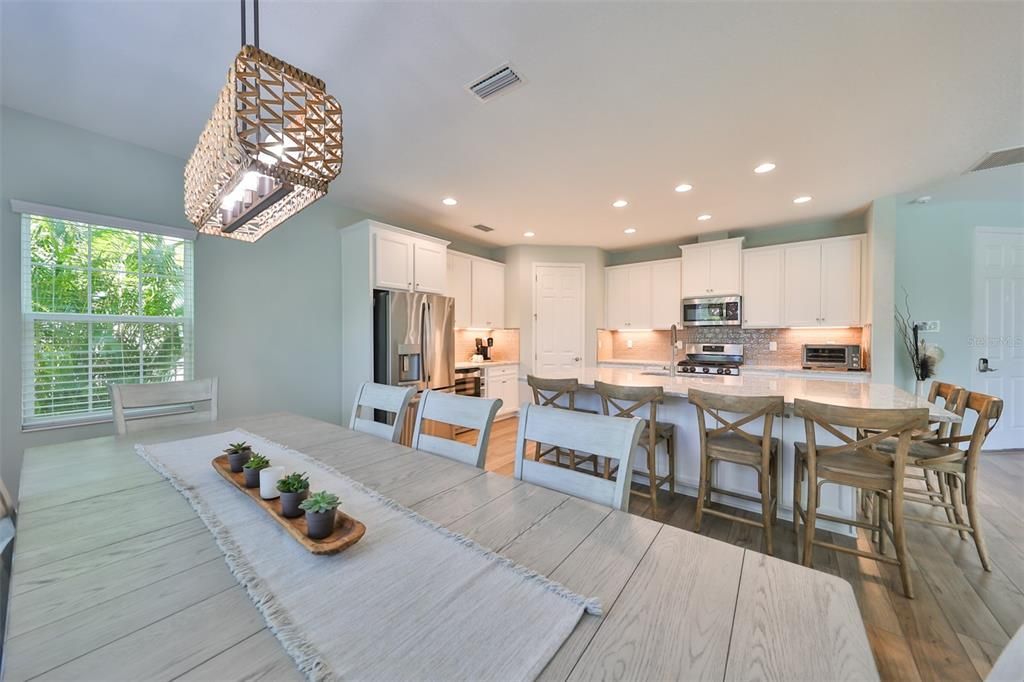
(656, 373)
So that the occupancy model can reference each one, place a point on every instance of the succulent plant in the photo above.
(257, 461)
(322, 501)
(237, 448)
(293, 483)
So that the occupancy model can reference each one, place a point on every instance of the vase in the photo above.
(919, 388)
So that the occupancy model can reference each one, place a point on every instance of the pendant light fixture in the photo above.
(271, 147)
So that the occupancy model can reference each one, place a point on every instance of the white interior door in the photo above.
(998, 333)
(558, 318)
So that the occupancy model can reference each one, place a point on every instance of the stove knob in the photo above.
(720, 370)
(705, 370)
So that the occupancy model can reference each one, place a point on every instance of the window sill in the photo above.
(51, 425)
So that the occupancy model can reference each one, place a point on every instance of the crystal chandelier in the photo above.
(271, 147)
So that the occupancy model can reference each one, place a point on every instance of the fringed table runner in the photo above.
(410, 601)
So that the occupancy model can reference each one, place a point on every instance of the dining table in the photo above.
(115, 576)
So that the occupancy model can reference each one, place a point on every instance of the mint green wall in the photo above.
(934, 263)
(755, 236)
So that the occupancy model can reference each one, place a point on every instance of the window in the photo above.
(100, 305)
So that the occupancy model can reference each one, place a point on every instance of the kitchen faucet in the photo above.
(673, 369)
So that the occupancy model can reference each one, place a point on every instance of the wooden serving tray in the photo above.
(347, 530)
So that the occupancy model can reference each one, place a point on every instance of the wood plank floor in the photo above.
(962, 616)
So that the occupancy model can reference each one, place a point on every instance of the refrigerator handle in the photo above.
(425, 332)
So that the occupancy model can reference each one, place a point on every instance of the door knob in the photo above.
(576, 359)
(983, 366)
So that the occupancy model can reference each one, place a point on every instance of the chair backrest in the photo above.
(987, 410)
(550, 391)
(457, 410)
(1009, 667)
(592, 434)
(8, 512)
(391, 399)
(879, 424)
(626, 401)
(751, 407)
(954, 399)
(138, 407)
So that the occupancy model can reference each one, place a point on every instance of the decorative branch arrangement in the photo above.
(922, 361)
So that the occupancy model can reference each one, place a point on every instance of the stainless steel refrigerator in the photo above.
(414, 340)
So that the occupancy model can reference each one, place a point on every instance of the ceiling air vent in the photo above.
(495, 82)
(999, 159)
(483, 228)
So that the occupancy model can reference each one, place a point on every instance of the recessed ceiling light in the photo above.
(528, 234)
(630, 230)
(704, 216)
(766, 167)
(801, 200)
(620, 203)
(448, 201)
(684, 187)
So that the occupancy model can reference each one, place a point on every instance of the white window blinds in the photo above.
(100, 305)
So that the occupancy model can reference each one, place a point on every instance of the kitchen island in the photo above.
(835, 500)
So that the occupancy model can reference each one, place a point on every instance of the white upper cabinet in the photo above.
(616, 298)
(762, 287)
(407, 261)
(665, 299)
(487, 304)
(460, 286)
(712, 269)
(822, 283)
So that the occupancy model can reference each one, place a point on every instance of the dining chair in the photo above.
(859, 463)
(561, 394)
(463, 411)
(393, 400)
(726, 441)
(138, 407)
(608, 437)
(627, 401)
(1009, 667)
(962, 468)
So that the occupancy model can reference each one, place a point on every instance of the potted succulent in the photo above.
(238, 454)
(252, 469)
(320, 514)
(294, 487)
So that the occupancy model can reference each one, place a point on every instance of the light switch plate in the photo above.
(629, 343)
(928, 326)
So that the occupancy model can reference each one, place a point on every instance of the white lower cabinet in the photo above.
(503, 382)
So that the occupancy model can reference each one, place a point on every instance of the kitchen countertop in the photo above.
(816, 373)
(488, 363)
(845, 393)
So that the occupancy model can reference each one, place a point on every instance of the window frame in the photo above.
(29, 420)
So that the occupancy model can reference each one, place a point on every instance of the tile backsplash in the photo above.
(506, 344)
(654, 345)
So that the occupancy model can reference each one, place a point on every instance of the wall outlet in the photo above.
(928, 326)
(629, 343)
(679, 345)
(773, 345)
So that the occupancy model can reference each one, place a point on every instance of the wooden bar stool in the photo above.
(859, 463)
(730, 443)
(561, 394)
(626, 401)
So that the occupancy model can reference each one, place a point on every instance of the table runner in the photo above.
(410, 601)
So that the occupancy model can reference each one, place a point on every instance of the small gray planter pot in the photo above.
(320, 524)
(252, 478)
(237, 460)
(290, 504)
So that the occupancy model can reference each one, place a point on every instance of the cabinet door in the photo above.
(802, 286)
(762, 288)
(616, 298)
(509, 394)
(695, 271)
(725, 269)
(639, 297)
(460, 287)
(430, 267)
(488, 299)
(665, 294)
(392, 262)
(840, 282)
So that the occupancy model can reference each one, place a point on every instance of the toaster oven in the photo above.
(832, 356)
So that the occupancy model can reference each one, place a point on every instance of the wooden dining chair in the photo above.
(463, 411)
(393, 401)
(138, 407)
(627, 401)
(561, 394)
(726, 441)
(961, 468)
(856, 462)
(607, 437)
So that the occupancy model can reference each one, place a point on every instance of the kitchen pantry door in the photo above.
(558, 300)
(997, 337)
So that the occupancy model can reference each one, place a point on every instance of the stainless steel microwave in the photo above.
(711, 311)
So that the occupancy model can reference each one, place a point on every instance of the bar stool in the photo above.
(730, 443)
(561, 394)
(858, 463)
(626, 401)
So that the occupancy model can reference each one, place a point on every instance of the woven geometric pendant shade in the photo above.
(270, 148)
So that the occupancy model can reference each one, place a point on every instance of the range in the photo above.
(712, 358)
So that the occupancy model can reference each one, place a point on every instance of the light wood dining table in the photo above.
(116, 577)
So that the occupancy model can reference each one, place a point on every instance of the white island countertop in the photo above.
(845, 393)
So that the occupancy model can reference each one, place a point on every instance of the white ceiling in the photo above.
(852, 100)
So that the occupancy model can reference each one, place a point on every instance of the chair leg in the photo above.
(652, 479)
(798, 474)
(702, 485)
(943, 484)
(899, 539)
(952, 483)
(975, 518)
(766, 508)
(812, 511)
(881, 516)
(670, 446)
(876, 533)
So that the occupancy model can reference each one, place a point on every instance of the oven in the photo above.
(832, 356)
(711, 311)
